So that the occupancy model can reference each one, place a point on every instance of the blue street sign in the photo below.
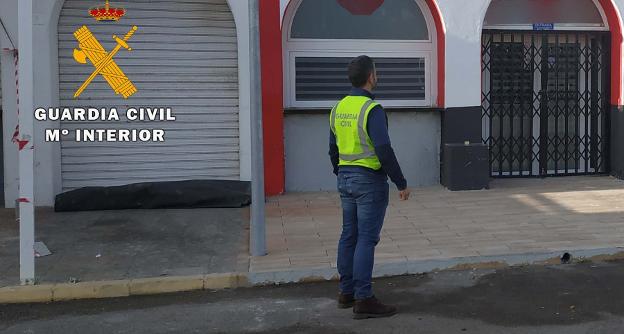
(543, 26)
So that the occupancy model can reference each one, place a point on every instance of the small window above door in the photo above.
(563, 14)
(331, 19)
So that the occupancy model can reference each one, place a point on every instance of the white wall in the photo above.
(463, 20)
(48, 155)
(8, 14)
(47, 160)
(240, 10)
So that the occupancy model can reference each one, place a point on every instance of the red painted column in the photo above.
(272, 96)
(441, 49)
(615, 27)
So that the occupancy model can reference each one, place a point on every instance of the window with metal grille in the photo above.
(322, 36)
(325, 78)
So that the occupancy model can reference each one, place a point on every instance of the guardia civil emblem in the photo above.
(91, 50)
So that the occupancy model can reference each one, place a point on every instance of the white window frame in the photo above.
(300, 47)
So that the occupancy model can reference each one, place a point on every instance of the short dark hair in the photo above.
(360, 69)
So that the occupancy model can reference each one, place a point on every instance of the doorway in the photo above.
(545, 102)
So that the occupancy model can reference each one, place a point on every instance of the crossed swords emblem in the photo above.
(91, 49)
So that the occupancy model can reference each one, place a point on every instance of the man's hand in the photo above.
(404, 194)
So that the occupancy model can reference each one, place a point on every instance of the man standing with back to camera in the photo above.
(363, 158)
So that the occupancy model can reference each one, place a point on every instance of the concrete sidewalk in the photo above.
(514, 217)
(128, 244)
(153, 251)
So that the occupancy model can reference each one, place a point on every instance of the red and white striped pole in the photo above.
(23, 137)
(16, 137)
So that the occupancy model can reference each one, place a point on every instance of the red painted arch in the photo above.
(615, 26)
(271, 39)
(441, 43)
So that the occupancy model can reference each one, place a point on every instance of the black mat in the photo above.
(157, 195)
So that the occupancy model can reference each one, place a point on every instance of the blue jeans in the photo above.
(364, 197)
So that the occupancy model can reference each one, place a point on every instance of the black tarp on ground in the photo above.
(157, 195)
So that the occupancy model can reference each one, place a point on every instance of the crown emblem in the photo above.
(107, 13)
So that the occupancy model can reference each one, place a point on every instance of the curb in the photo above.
(413, 267)
(47, 293)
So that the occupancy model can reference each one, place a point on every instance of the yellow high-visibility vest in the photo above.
(348, 121)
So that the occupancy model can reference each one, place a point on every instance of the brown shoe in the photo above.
(372, 308)
(345, 301)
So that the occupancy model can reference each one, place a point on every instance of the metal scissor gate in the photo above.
(545, 100)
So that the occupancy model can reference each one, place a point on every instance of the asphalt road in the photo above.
(570, 299)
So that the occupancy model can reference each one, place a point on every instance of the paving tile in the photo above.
(277, 253)
(514, 216)
(415, 250)
(271, 259)
(458, 252)
(273, 211)
(269, 267)
(412, 243)
(332, 252)
(329, 230)
(310, 261)
(492, 250)
(303, 253)
(300, 230)
(424, 254)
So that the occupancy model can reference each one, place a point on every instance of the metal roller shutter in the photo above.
(184, 57)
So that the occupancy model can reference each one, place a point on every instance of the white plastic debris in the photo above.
(41, 249)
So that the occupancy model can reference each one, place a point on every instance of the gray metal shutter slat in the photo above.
(185, 57)
(325, 78)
